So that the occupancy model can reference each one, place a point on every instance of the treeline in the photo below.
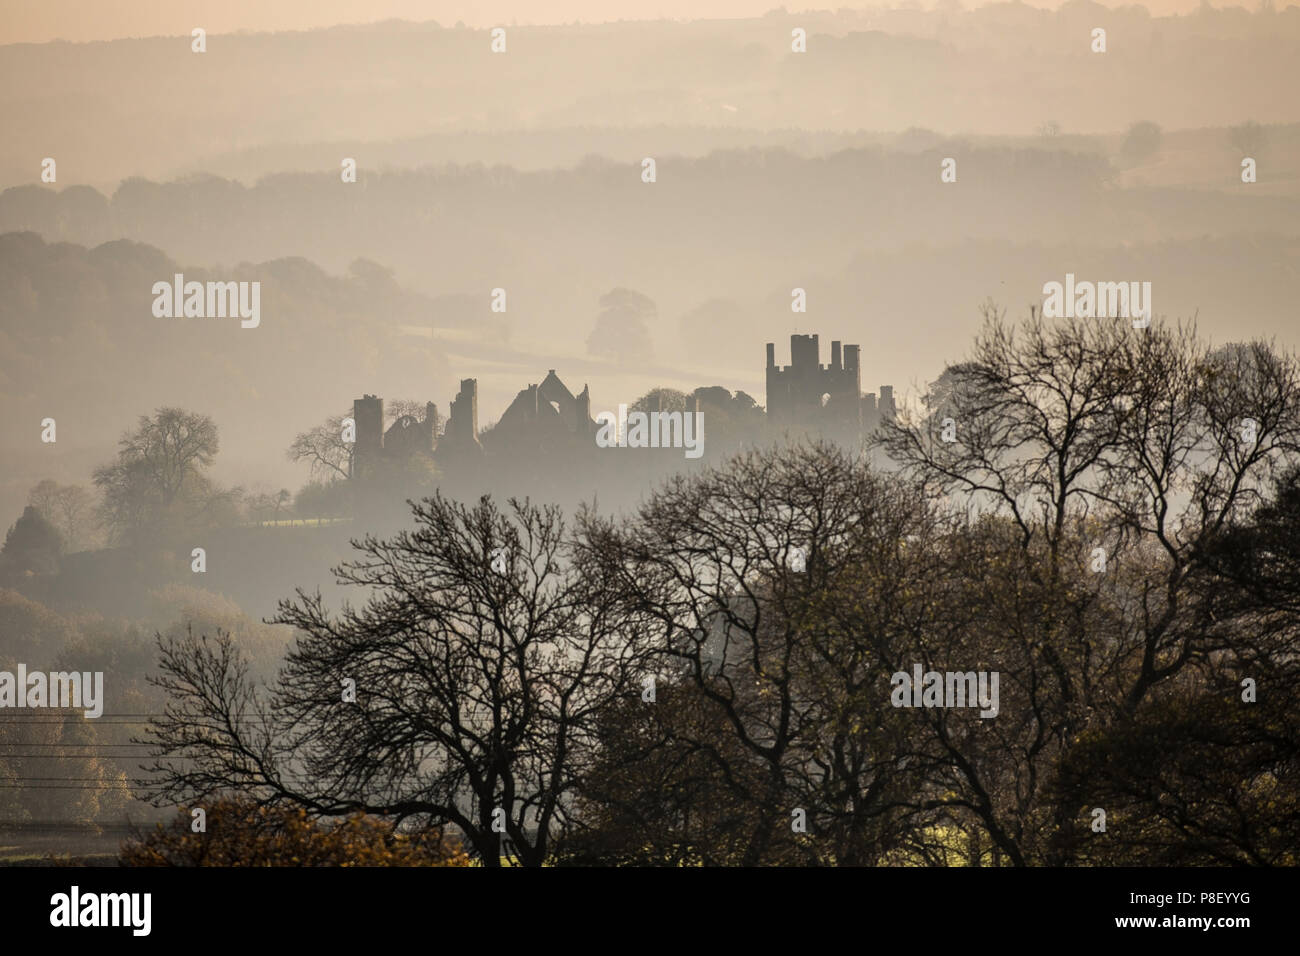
(1096, 524)
(440, 227)
(56, 766)
(79, 319)
(83, 347)
(66, 608)
(992, 68)
(107, 543)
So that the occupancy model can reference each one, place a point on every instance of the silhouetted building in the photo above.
(545, 417)
(461, 436)
(823, 399)
(368, 416)
(407, 436)
(547, 434)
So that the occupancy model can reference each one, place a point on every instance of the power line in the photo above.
(68, 779)
(67, 743)
(47, 718)
(44, 719)
(19, 786)
(88, 756)
(65, 825)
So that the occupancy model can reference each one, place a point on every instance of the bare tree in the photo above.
(464, 691)
(325, 449)
(71, 509)
(622, 328)
(1248, 138)
(753, 575)
(157, 481)
(1093, 441)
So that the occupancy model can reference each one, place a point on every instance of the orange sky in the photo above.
(37, 21)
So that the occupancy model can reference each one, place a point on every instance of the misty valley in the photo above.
(361, 511)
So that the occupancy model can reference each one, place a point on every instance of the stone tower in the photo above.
(806, 394)
(368, 413)
(462, 420)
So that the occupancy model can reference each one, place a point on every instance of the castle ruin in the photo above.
(806, 396)
(547, 423)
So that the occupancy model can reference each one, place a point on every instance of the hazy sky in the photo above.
(37, 21)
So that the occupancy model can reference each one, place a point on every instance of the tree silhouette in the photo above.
(623, 326)
(157, 484)
(480, 661)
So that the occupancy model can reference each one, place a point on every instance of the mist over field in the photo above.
(615, 209)
(776, 169)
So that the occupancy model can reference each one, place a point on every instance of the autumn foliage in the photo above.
(240, 833)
